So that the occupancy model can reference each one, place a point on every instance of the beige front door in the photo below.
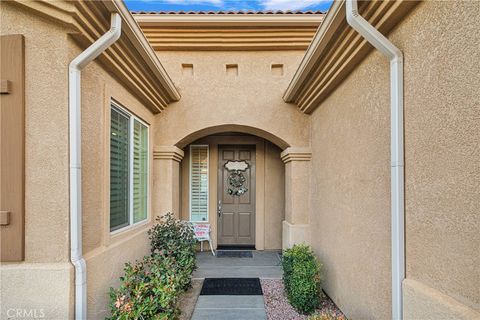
(236, 195)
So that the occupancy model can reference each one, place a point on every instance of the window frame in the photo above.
(131, 122)
(190, 183)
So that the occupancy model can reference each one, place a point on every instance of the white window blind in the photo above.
(128, 169)
(119, 171)
(198, 183)
(140, 171)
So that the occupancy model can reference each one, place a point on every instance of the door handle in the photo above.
(219, 208)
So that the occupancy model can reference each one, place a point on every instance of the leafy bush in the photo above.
(149, 290)
(301, 277)
(150, 287)
(175, 238)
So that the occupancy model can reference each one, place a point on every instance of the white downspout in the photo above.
(75, 139)
(381, 43)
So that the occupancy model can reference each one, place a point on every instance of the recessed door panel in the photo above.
(245, 155)
(244, 224)
(236, 195)
(228, 224)
(229, 154)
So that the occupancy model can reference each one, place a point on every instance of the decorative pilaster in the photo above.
(297, 205)
(166, 180)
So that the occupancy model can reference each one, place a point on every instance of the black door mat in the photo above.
(231, 287)
(235, 247)
(234, 254)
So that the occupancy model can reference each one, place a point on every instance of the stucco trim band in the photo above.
(423, 302)
(294, 233)
(168, 153)
(45, 289)
(296, 154)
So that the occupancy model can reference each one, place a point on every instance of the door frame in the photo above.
(213, 141)
(253, 174)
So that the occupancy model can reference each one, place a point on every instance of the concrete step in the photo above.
(230, 302)
(229, 314)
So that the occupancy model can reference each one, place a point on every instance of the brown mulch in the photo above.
(278, 307)
(188, 300)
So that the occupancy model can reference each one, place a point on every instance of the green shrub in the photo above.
(149, 290)
(175, 238)
(301, 277)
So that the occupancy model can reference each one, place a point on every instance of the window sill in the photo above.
(124, 230)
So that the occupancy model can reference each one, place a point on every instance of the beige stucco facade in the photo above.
(44, 282)
(350, 187)
(323, 171)
(46, 266)
(211, 101)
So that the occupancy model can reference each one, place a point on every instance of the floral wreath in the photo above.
(236, 179)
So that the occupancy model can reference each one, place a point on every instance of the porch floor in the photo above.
(263, 265)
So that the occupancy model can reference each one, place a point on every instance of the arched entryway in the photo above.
(245, 205)
(242, 180)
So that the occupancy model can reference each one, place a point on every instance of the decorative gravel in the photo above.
(278, 308)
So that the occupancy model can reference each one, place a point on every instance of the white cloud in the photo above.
(289, 4)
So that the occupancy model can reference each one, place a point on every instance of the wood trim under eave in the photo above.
(138, 38)
(337, 49)
(332, 21)
(136, 46)
(229, 38)
(218, 20)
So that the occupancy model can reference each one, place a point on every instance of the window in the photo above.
(128, 169)
(198, 183)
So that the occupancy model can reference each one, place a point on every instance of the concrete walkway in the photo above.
(264, 265)
(229, 308)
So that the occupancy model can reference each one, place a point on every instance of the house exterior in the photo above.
(272, 127)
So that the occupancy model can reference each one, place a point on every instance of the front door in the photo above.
(236, 195)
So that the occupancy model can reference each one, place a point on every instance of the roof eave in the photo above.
(337, 49)
(228, 20)
(317, 46)
(131, 58)
(135, 34)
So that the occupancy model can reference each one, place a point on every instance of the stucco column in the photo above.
(166, 180)
(297, 186)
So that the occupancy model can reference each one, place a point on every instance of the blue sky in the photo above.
(215, 5)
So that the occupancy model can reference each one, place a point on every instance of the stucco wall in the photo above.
(46, 273)
(442, 150)
(351, 182)
(211, 97)
(270, 173)
(44, 282)
(274, 196)
(105, 252)
(350, 191)
(46, 98)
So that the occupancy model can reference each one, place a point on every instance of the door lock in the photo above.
(219, 208)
